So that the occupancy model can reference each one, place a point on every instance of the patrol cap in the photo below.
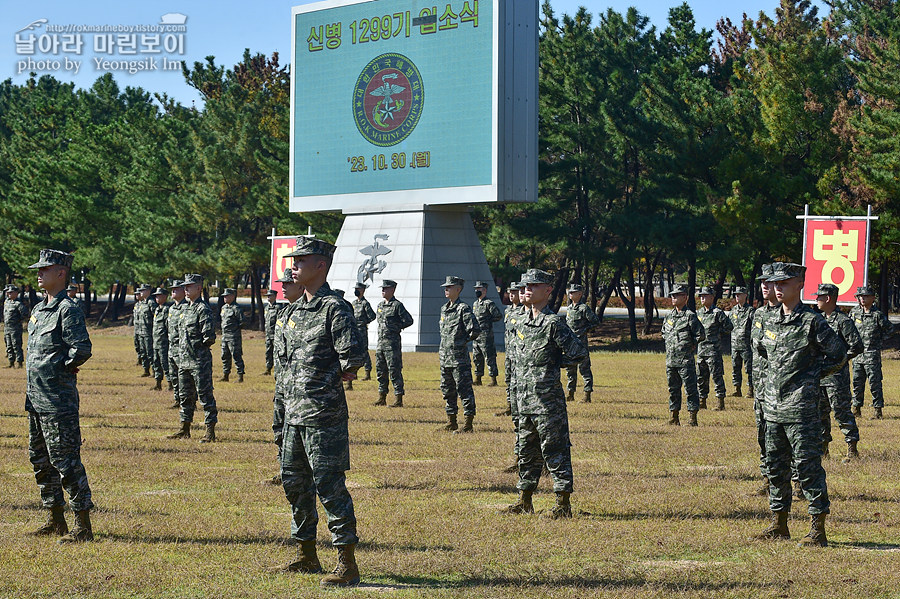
(230, 291)
(678, 288)
(388, 283)
(271, 292)
(143, 287)
(766, 272)
(72, 288)
(360, 286)
(10, 287)
(286, 277)
(865, 290)
(782, 271)
(53, 257)
(537, 276)
(738, 289)
(481, 284)
(574, 287)
(160, 291)
(451, 281)
(339, 292)
(191, 279)
(514, 286)
(827, 289)
(176, 284)
(706, 290)
(312, 246)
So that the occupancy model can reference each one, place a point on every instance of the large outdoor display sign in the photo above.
(836, 250)
(412, 103)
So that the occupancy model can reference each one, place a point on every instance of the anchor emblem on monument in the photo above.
(372, 264)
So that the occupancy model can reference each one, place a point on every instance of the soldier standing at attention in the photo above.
(741, 316)
(137, 340)
(709, 352)
(392, 318)
(173, 322)
(364, 314)
(458, 327)
(874, 328)
(801, 348)
(144, 308)
(324, 348)
(58, 343)
(232, 347)
(72, 292)
(834, 390)
(546, 344)
(196, 334)
(270, 316)
(757, 328)
(682, 333)
(292, 292)
(161, 339)
(581, 319)
(14, 314)
(483, 349)
(514, 314)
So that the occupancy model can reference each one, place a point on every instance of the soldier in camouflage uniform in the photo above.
(72, 292)
(682, 333)
(458, 327)
(232, 346)
(161, 339)
(196, 334)
(483, 349)
(270, 316)
(757, 327)
(138, 349)
(324, 348)
(15, 313)
(800, 349)
(581, 319)
(174, 319)
(709, 352)
(364, 314)
(834, 390)
(545, 345)
(58, 344)
(392, 318)
(144, 308)
(741, 316)
(292, 292)
(874, 328)
(514, 314)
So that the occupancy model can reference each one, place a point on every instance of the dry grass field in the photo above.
(660, 511)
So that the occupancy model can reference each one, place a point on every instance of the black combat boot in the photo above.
(816, 536)
(368, 376)
(224, 378)
(184, 433)
(825, 453)
(522, 506)
(171, 388)
(477, 381)
(398, 401)
(210, 436)
(467, 427)
(587, 397)
(778, 528)
(11, 363)
(146, 374)
(877, 415)
(451, 423)
(493, 381)
(737, 392)
(721, 405)
(346, 573)
(750, 393)
(693, 420)
(382, 399)
(82, 532)
(240, 377)
(268, 372)
(55, 524)
(852, 452)
(562, 509)
(570, 396)
(702, 403)
(20, 364)
(158, 386)
(674, 419)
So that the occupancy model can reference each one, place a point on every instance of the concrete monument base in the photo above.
(417, 249)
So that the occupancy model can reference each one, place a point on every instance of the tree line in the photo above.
(665, 154)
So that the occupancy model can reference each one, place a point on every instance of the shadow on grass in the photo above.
(891, 547)
(381, 546)
(740, 515)
(868, 497)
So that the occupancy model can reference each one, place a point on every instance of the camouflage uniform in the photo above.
(282, 373)
(322, 343)
(800, 349)
(161, 343)
(458, 327)
(392, 318)
(581, 319)
(174, 321)
(483, 349)
(682, 333)
(511, 319)
(270, 316)
(741, 321)
(232, 346)
(58, 343)
(196, 335)
(709, 351)
(545, 344)
(362, 311)
(760, 368)
(874, 328)
(15, 313)
(834, 390)
(143, 329)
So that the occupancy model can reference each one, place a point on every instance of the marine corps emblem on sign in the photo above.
(388, 99)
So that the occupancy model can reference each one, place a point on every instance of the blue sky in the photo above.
(223, 29)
